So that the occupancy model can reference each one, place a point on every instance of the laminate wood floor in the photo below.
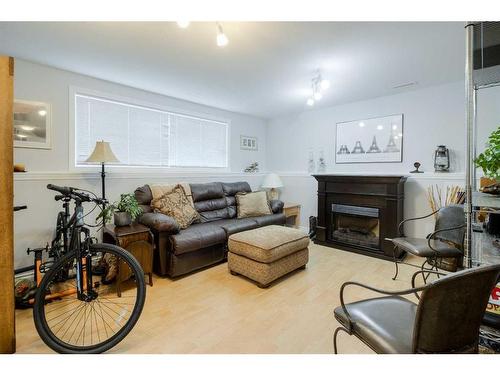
(214, 312)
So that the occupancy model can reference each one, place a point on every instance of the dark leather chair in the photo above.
(445, 320)
(447, 240)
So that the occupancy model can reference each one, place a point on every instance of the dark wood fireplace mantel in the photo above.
(351, 196)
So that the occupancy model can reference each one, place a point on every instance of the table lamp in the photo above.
(272, 181)
(102, 154)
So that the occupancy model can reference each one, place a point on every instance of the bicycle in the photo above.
(77, 307)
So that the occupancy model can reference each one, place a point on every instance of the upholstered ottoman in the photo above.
(268, 253)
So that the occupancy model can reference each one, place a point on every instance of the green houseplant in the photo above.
(489, 160)
(124, 211)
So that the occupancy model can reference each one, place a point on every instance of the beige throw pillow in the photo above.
(252, 204)
(176, 204)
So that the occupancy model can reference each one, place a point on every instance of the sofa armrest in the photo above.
(276, 206)
(160, 222)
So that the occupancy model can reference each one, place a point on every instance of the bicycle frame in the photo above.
(84, 287)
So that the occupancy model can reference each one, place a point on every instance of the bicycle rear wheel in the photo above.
(101, 318)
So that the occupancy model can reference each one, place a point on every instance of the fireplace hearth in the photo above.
(356, 213)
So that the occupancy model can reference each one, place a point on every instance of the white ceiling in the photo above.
(265, 70)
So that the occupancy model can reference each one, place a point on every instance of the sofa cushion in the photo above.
(209, 201)
(275, 219)
(203, 192)
(143, 195)
(230, 190)
(196, 237)
(252, 204)
(177, 205)
(232, 226)
(267, 244)
(157, 190)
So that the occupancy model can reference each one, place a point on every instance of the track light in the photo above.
(183, 24)
(221, 37)
(318, 86)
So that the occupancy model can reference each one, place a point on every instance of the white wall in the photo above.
(33, 227)
(432, 116)
(47, 84)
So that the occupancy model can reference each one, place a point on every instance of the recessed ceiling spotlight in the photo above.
(325, 84)
(310, 102)
(361, 124)
(42, 112)
(222, 40)
(318, 95)
(394, 127)
(380, 127)
(183, 24)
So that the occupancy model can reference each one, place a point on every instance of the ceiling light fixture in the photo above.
(222, 40)
(27, 128)
(325, 84)
(42, 112)
(183, 24)
(318, 95)
(318, 86)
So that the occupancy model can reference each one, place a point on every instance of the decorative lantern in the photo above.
(441, 159)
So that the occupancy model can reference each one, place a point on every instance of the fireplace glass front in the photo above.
(355, 225)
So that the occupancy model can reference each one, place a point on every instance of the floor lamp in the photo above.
(102, 154)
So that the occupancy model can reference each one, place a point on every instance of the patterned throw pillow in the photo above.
(252, 204)
(176, 204)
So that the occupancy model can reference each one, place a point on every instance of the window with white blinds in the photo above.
(142, 136)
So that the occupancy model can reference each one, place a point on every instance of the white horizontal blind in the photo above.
(142, 136)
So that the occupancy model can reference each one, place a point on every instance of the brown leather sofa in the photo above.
(202, 244)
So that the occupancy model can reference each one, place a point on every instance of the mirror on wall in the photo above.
(32, 124)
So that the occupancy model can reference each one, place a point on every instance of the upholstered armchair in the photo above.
(447, 240)
(445, 320)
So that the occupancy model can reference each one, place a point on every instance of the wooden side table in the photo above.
(138, 240)
(292, 214)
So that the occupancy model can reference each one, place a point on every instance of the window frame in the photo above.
(141, 104)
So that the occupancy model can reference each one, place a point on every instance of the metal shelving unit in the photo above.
(482, 71)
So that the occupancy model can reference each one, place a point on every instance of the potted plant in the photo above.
(489, 162)
(124, 211)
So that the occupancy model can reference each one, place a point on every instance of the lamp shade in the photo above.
(102, 154)
(271, 181)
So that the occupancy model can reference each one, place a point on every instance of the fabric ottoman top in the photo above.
(267, 244)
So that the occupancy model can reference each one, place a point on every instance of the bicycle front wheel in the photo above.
(109, 305)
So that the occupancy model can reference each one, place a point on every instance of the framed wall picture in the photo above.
(32, 124)
(248, 143)
(374, 140)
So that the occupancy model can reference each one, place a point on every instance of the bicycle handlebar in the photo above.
(72, 192)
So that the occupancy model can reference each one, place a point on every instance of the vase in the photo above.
(122, 219)
(311, 166)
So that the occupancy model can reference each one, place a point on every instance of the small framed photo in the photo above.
(248, 143)
(32, 124)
